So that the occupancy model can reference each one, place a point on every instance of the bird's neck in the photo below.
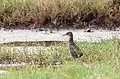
(71, 39)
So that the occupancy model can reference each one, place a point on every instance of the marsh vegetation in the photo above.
(74, 13)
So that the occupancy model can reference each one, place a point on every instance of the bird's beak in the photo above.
(64, 35)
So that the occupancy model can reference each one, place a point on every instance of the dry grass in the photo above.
(32, 11)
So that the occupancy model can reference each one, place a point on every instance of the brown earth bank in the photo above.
(108, 18)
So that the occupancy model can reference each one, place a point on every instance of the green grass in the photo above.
(100, 61)
(68, 71)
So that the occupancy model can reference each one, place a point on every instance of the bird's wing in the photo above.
(77, 50)
(73, 51)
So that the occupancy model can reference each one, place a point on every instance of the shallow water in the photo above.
(79, 35)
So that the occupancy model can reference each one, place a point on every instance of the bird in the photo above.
(73, 48)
